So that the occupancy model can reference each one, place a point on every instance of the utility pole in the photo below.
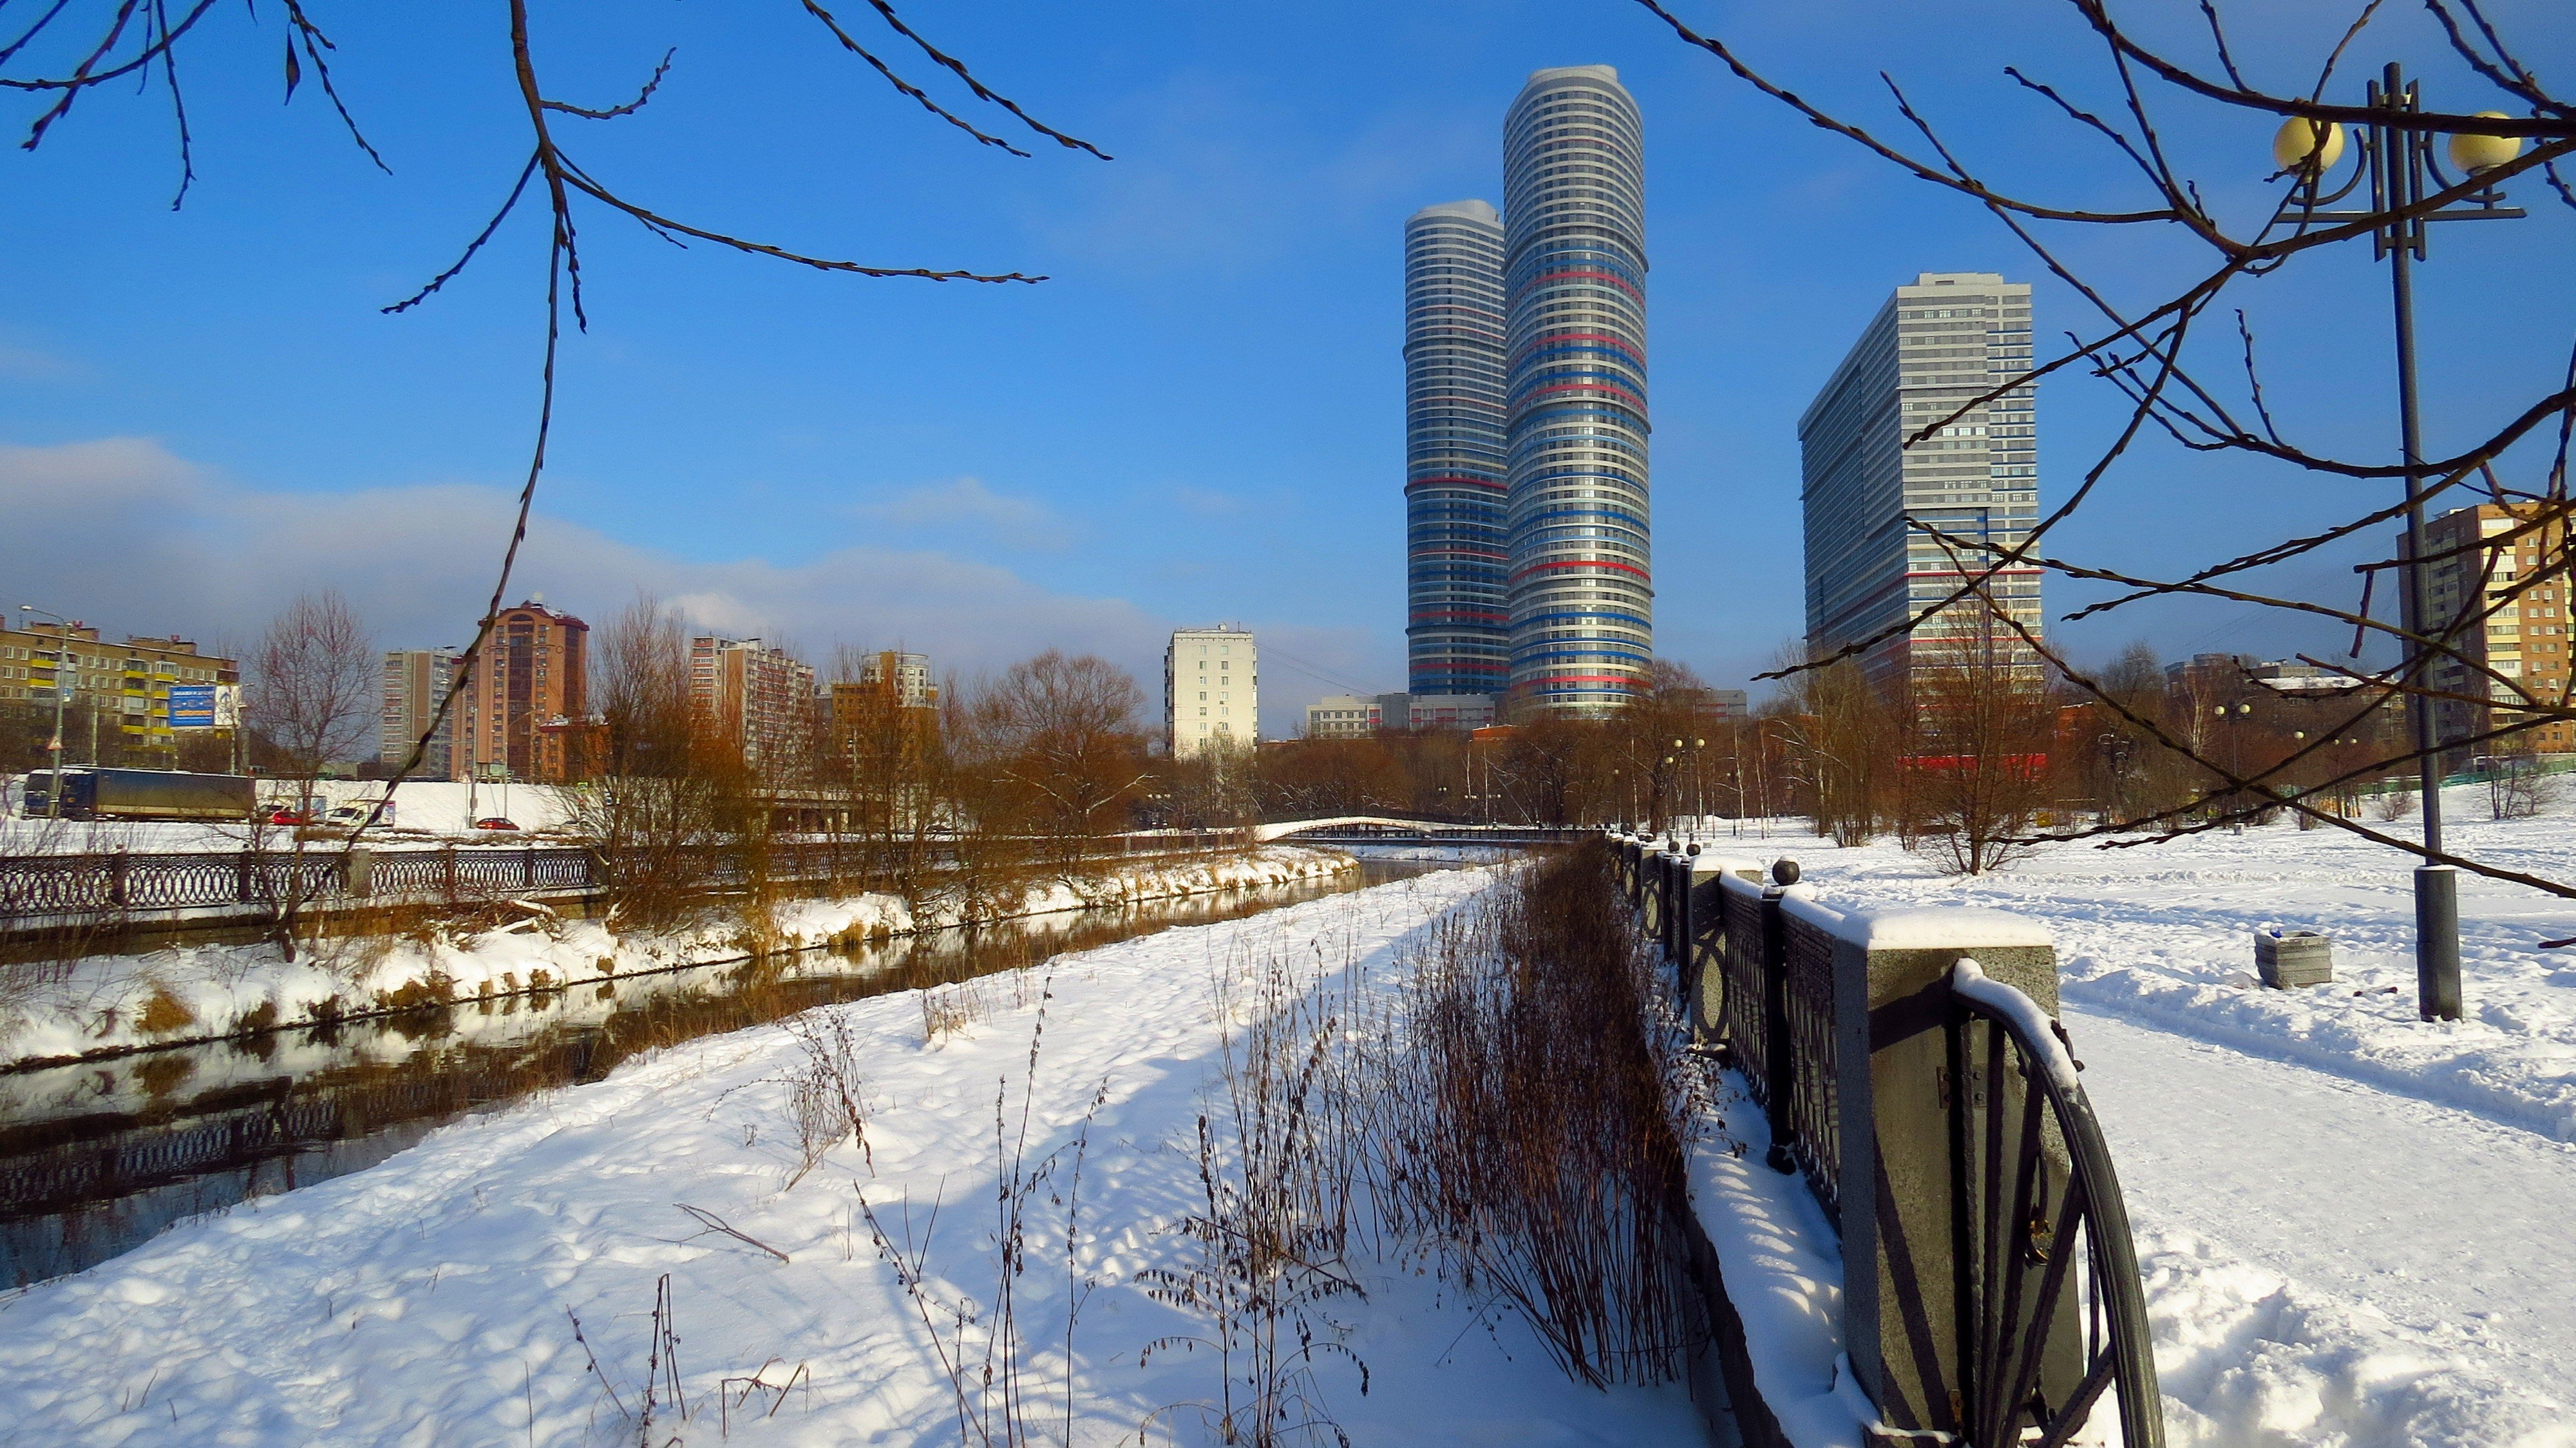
(54, 746)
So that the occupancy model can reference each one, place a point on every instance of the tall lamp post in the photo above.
(1692, 747)
(2398, 163)
(62, 691)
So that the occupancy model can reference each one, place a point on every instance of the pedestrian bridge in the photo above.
(1385, 829)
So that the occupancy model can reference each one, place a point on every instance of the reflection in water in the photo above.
(95, 1159)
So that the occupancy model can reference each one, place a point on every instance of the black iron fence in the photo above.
(1910, 1069)
(81, 889)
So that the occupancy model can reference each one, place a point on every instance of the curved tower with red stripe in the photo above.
(1579, 586)
(1457, 629)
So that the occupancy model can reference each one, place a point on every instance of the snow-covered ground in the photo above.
(200, 992)
(460, 1292)
(2359, 1228)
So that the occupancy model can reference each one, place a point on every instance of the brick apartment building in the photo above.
(534, 672)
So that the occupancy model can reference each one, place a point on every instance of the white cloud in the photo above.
(125, 534)
(27, 364)
(966, 503)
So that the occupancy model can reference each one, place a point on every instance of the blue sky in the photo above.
(1198, 418)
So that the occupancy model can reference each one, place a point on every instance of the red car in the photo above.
(494, 822)
(284, 816)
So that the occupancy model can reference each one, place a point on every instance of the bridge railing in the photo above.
(62, 890)
(1911, 1070)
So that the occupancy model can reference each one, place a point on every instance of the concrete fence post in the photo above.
(1896, 1104)
(358, 872)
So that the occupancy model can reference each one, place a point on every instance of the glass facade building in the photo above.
(1457, 628)
(1580, 582)
(1934, 347)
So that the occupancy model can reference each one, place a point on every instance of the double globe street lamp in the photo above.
(2397, 161)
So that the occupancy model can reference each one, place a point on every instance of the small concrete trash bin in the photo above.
(2290, 959)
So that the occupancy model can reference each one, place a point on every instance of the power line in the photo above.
(1312, 670)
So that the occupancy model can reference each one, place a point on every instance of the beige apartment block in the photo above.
(2478, 558)
(1211, 691)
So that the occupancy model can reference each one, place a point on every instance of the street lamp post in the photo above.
(2397, 161)
(54, 746)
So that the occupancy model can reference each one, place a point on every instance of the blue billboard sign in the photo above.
(192, 706)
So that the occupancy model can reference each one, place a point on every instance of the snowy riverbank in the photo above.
(192, 993)
(433, 1298)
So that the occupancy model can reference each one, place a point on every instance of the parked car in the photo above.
(494, 822)
(353, 815)
(287, 815)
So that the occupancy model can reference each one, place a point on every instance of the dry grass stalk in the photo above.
(1530, 1125)
(949, 1009)
(1000, 1397)
(828, 1098)
(1279, 1153)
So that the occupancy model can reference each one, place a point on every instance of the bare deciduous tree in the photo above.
(1057, 743)
(1841, 735)
(314, 686)
(315, 681)
(670, 806)
(1982, 727)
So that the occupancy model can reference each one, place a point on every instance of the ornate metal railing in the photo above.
(1991, 1290)
(2036, 1187)
(1811, 1109)
(92, 889)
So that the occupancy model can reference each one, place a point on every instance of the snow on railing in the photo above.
(1905, 1062)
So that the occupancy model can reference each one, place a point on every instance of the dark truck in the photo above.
(141, 794)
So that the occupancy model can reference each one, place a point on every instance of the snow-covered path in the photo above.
(2359, 1228)
(2460, 1233)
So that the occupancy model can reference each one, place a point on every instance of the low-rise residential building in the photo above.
(123, 687)
(2217, 703)
(1344, 716)
(1467, 712)
(1357, 716)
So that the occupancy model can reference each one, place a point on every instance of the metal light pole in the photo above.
(62, 661)
(2398, 163)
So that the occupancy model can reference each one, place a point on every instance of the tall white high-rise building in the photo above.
(1580, 585)
(1211, 691)
(1457, 619)
(1937, 344)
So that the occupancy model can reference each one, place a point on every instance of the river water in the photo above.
(96, 1159)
